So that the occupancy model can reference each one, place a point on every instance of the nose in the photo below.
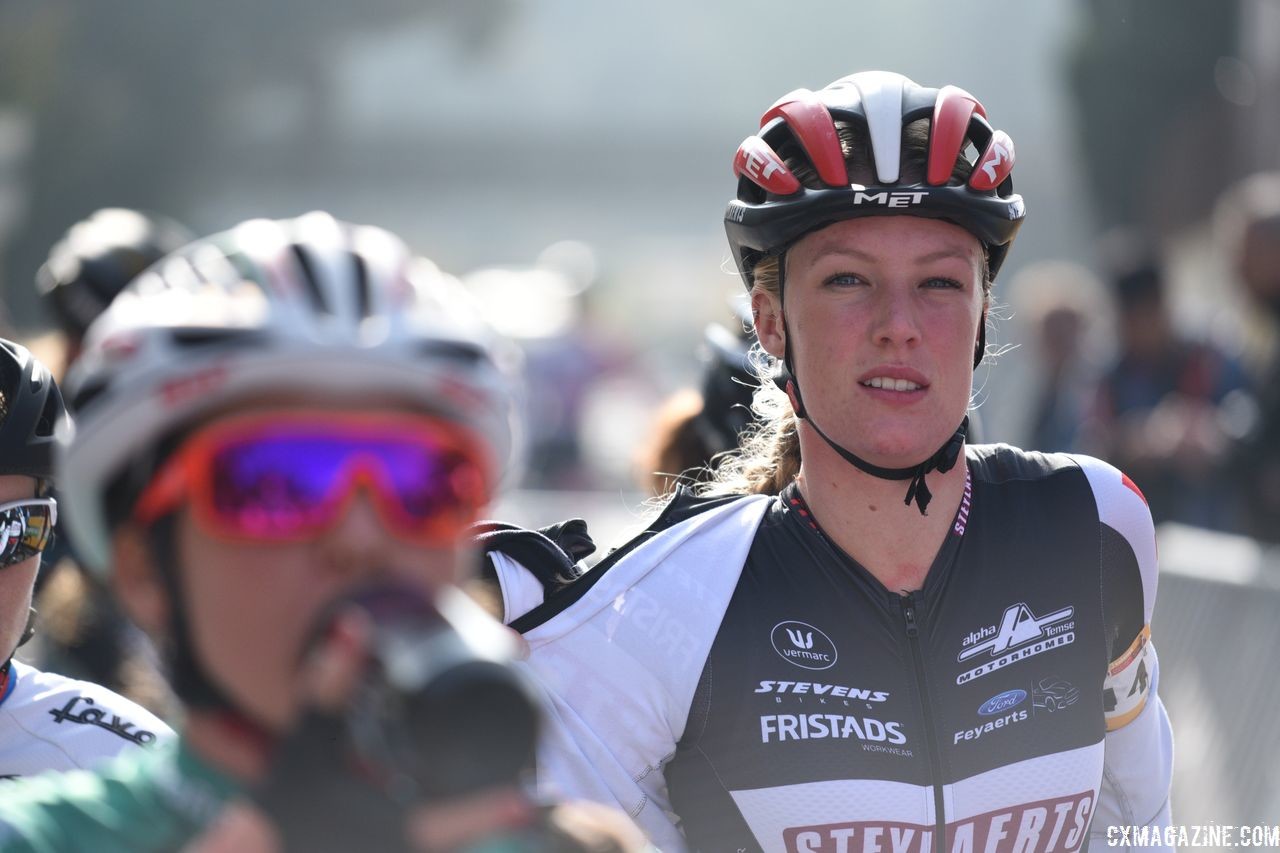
(357, 544)
(896, 323)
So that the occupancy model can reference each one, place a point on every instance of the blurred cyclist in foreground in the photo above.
(284, 431)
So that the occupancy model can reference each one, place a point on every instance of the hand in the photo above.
(313, 795)
(316, 797)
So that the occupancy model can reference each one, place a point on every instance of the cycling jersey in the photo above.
(734, 681)
(146, 800)
(49, 722)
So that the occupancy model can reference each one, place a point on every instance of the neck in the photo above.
(866, 518)
(234, 747)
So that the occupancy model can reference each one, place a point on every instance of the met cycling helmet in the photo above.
(303, 305)
(97, 257)
(773, 208)
(33, 409)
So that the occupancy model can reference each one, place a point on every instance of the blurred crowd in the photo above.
(1185, 405)
(1156, 349)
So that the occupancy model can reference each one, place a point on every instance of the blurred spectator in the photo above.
(693, 426)
(1249, 217)
(1065, 304)
(1162, 408)
(546, 308)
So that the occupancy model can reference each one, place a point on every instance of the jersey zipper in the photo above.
(935, 754)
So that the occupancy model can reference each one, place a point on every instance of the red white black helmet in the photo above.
(773, 208)
(309, 305)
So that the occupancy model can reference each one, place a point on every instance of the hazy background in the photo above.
(486, 131)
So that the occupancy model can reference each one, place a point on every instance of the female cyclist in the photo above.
(866, 634)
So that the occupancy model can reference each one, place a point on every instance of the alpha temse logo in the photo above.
(1021, 634)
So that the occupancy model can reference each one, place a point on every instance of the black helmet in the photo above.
(97, 257)
(33, 409)
(728, 382)
(773, 208)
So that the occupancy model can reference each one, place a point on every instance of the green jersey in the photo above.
(155, 799)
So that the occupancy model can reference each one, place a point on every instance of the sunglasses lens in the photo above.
(25, 531)
(430, 481)
(275, 485)
(292, 482)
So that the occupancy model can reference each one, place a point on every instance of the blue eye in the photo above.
(846, 279)
(944, 283)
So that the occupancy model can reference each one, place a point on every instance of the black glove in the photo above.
(551, 553)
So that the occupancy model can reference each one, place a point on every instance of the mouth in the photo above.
(889, 383)
(897, 384)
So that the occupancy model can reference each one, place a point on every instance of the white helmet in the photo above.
(308, 305)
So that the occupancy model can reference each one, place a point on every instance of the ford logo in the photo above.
(1002, 702)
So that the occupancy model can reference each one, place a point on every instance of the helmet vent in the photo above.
(201, 337)
(364, 302)
(458, 351)
(309, 281)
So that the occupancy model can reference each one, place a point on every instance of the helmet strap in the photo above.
(27, 633)
(943, 460)
(30, 630)
(981, 348)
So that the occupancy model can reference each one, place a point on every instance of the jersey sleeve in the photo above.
(50, 722)
(521, 589)
(618, 664)
(1138, 759)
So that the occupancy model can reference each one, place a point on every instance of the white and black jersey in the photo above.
(735, 682)
(50, 722)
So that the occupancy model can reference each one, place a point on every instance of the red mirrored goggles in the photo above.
(287, 476)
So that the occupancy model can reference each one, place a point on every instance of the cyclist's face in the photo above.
(16, 581)
(252, 605)
(893, 298)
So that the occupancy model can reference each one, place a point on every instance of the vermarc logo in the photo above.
(804, 645)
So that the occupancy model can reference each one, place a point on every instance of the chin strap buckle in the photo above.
(944, 460)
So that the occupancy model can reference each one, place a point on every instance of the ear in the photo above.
(136, 581)
(766, 315)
